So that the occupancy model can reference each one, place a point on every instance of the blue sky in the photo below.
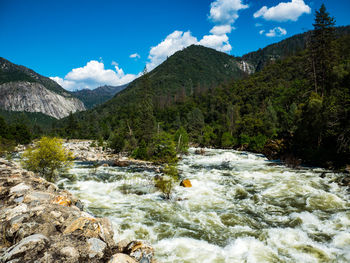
(84, 44)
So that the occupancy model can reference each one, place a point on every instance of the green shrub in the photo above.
(165, 184)
(47, 157)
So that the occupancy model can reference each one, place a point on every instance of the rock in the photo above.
(19, 189)
(140, 251)
(345, 181)
(35, 97)
(62, 200)
(121, 163)
(96, 247)
(105, 165)
(37, 196)
(27, 248)
(121, 245)
(121, 258)
(79, 204)
(200, 151)
(85, 226)
(186, 183)
(107, 231)
(69, 252)
(19, 209)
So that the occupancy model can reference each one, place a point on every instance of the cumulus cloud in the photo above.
(93, 75)
(284, 11)
(276, 32)
(135, 55)
(221, 30)
(218, 42)
(174, 42)
(261, 32)
(225, 11)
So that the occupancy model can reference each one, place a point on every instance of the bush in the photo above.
(165, 184)
(48, 158)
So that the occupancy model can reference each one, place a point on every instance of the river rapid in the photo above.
(241, 208)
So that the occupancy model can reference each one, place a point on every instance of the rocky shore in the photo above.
(40, 223)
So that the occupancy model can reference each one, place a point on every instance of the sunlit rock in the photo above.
(186, 183)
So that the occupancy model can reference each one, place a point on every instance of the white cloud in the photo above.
(172, 43)
(225, 11)
(135, 55)
(218, 42)
(276, 32)
(284, 11)
(221, 30)
(93, 75)
(261, 32)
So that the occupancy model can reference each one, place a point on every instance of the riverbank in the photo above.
(40, 223)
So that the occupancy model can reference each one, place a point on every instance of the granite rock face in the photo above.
(34, 97)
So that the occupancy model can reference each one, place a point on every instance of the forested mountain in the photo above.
(287, 47)
(295, 105)
(22, 89)
(92, 98)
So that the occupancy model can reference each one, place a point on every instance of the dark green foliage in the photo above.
(18, 133)
(181, 140)
(227, 140)
(117, 142)
(141, 152)
(321, 52)
(163, 149)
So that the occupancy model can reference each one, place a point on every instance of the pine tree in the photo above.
(321, 51)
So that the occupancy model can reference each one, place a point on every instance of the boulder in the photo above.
(140, 251)
(37, 196)
(19, 189)
(121, 258)
(96, 247)
(186, 183)
(69, 252)
(27, 248)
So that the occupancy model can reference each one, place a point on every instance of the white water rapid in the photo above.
(241, 208)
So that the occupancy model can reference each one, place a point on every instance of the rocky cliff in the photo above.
(34, 97)
(40, 223)
(22, 89)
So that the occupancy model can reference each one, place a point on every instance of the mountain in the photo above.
(22, 89)
(287, 47)
(92, 98)
(188, 72)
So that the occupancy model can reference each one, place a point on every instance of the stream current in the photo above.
(241, 208)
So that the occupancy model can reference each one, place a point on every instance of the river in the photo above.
(241, 208)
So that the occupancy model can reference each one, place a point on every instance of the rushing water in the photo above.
(241, 208)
